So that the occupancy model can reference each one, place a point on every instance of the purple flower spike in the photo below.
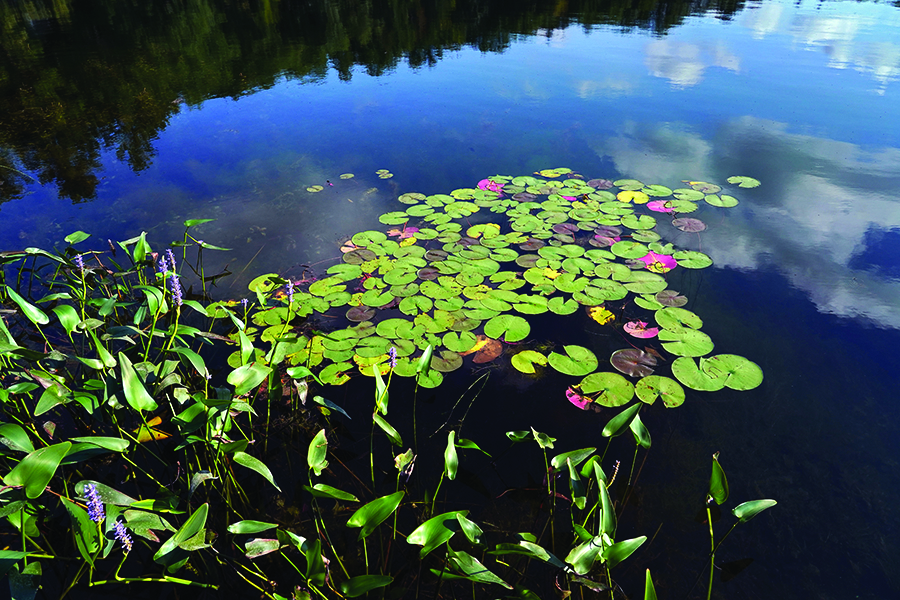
(95, 508)
(79, 262)
(123, 536)
(176, 290)
(162, 266)
(392, 357)
(171, 256)
(289, 288)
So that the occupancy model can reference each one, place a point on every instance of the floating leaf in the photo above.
(576, 361)
(686, 342)
(743, 181)
(652, 387)
(600, 314)
(490, 350)
(686, 371)
(723, 201)
(639, 329)
(689, 225)
(677, 318)
(509, 327)
(525, 360)
(315, 188)
(635, 363)
(690, 259)
(740, 373)
(670, 298)
(614, 390)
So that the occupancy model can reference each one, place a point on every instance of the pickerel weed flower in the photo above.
(79, 262)
(171, 256)
(162, 266)
(392, 357)
(95, 508)
(289, 288)
(176, 290)
(123, 536)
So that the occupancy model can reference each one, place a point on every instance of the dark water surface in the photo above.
(120, 117)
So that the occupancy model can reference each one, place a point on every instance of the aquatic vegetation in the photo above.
(485, 261)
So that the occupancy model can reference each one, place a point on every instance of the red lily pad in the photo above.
(635, 363)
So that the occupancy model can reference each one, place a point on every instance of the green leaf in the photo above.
(320, 490)
(649, 590)
(34, 314)
(576, 456)
(614, 389)
(424, 364)
(76, 236)
(470, 528)
(381, 391)
(195, 360)
(247, 377)
(652, 387)
(510, 328)
(371, 515)
(738, 372)
(743, 181)
(170, 554)
(36, 470)
(435, 531)
(577, 360)
(67, 316)
(616, 426)
(254, 464)
(641, 435)
(315, 455)
(315, 566)
(14, 437)
(582, 557)
(248, 526)
(359, 585)
(619, 551)
(543, 440)
(750, 509)
(451, 461)
(576, 486)
(135, 392)
(525, 360)
(473, 569)
(392, 433)
(107, 494)
(718, 483)
(608, 516)
(192, 222)
(87, 537)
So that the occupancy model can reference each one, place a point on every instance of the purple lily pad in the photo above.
(428, 273)
(524, 196)
(608, 231)
(689, 224)
(436, 255)
(569, 228)
(358, 314)
(526, 261)
(359, 256)
(635, 363)
(600, 184)
(532, 244)
(671, 298)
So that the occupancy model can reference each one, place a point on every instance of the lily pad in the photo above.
(358, 314)
(743, 181)
(723, 201)
(686, 371)
(652, 387)
(633, 362)
(525, 360)
(690, 259)
(614, 389)
(686, 342)
(740, 373)
(670, 298)
(576, 361)
(459, 342)
(676, 318)
(511, 328)
(446, 361)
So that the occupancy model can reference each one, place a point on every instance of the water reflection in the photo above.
(683, 64)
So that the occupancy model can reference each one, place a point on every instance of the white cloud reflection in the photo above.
(683, 63)
(819, 200)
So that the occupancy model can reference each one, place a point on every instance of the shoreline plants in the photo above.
(150, 435)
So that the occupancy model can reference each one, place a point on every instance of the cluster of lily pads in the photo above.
(463, 272)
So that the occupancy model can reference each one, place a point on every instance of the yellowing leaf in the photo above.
(550, 273)
(407, 242)
(145, 433)
(600, 314)
(481, 341)
(630, 196)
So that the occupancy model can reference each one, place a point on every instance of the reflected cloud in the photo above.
(839, 38)
(763, 19)
(827, 214)
(684, 64)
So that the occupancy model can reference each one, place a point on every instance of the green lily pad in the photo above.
(690, 259)
(562, 306)
(686, 371)
(525, 360)
(629, 249)
(446, 362)
(740, 373)
(676, 318)
(723, 201)
(614, 389)
(336, 373)
(743, 181)
(366, 238)
(639, 222)
(576, 361)
(686, 342)
(413, 305)
(652, 387)
(511, 328)
(459, 342)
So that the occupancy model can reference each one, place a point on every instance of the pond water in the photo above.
(128, 120)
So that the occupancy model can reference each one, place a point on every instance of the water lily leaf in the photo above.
(446, 361)
(576, 361)
(689, 225)
(676, 318)
(640, 222)
(724, 201)
(686, 371)
(359, 314)
(524, 361)
(628, 184)
(743, 181)
(510, 328)
(315, 188)
(490, 350)
(562, 306)
(600, 314)
(686, 342)
(652, 387)
(639, 329)
(633, 362)
(670, 298)
(614, 390)
(690, 259)
(740, 373)
(459, 342)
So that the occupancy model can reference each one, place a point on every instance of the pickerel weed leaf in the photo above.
(435, 531)
(36, 470)
(371, 515)
(747, 510)
(718, 483)
(254, 464)
(361, 584)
